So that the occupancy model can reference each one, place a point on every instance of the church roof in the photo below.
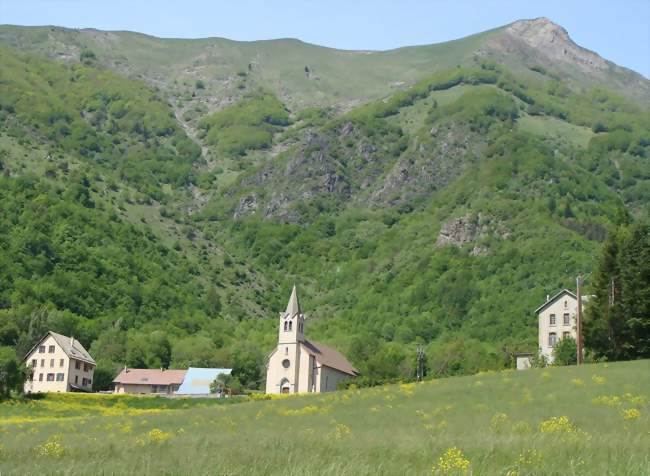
(293, 306)
(329, 357)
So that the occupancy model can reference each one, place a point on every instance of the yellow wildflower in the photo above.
(598, 380)
(156, 435)
(50, 448)
(452, 461)
(610, 401)
(498, 422)
(631, 414)
(340, 431)
(560, 424)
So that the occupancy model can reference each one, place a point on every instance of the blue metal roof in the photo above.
(197, 381)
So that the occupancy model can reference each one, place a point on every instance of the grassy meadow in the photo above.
(589, 420)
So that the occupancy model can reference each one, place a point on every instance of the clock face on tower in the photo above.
(286, 363)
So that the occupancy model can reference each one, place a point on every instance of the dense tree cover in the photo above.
(120, 125)
(248, 124)
(617, 318)
(12, 372)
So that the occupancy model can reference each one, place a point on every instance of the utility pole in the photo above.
(420, 366)
(579, 320)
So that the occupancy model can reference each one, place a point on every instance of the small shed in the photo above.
(524, 360)
(197, 380)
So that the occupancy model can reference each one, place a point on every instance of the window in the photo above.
(552, 339)
(51, 362)
(61, 362)
(86, 367)
(286, 351)
(286, 325)
(34, 363)
(41, 349)
(31, 376)
(566, 334)
(551, 320)
(40, 377)
(59, 377)
(50, 377)
(76, 379)
(42, 362)
(290, 325)
(567, 321)
(51, 349)
(286, 363)
(77, 364)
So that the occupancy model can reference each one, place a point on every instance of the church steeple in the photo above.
(292, 321)
(293, 306)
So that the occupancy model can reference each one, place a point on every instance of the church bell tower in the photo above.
(292, 322)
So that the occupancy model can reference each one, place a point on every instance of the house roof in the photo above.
(71, 346)
(197, 380)
(553, 299)
(330, 357)
(150, 377)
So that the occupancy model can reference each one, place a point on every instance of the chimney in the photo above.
(71, 341)
(548, 296)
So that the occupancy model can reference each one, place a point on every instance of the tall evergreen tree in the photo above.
(617, 319)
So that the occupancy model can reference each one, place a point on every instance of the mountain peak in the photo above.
(554, 41)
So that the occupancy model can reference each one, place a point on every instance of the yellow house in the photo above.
(299, 365)
(59, 364)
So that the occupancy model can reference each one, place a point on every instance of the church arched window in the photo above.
(290, 325)
(285, 325)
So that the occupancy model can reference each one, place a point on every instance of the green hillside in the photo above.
(162, 196)
(583, 420)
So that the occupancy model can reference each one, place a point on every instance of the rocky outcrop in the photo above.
(247, 206)
(432, 164)
(554, 41)
(469, 229)
(460, 231)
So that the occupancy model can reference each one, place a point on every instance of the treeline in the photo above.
(617, 318)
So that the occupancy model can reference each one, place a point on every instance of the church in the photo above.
(298, 365)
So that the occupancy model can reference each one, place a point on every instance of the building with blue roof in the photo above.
(197, 380)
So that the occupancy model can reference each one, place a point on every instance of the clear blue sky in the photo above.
(617, 30)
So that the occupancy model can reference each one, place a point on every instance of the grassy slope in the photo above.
(337, 76)
(379, 431)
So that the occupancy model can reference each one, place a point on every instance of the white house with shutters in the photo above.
(59, 364)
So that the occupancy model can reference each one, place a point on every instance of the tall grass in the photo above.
(588, 420)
